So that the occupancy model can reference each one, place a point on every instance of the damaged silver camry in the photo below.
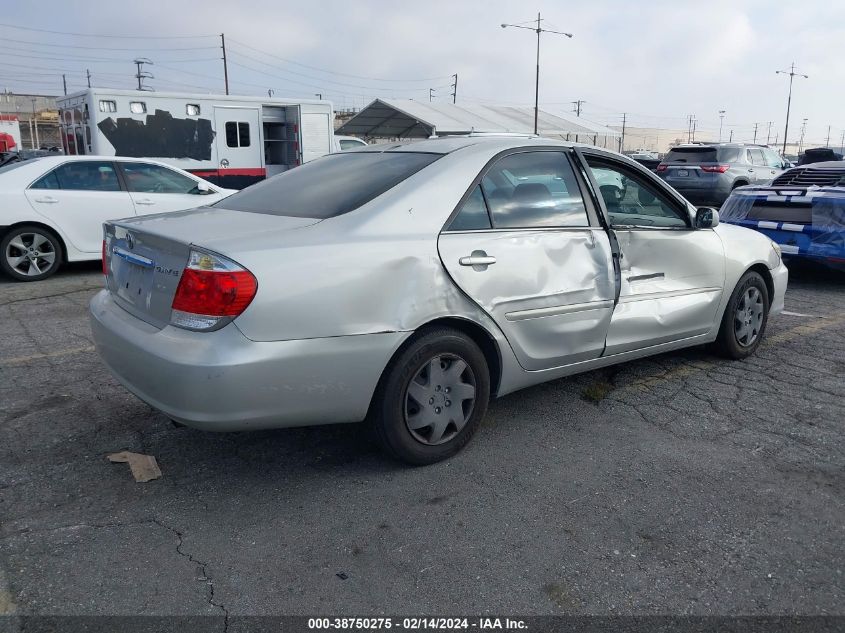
(405, 285)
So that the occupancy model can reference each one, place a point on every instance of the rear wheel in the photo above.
(431, 398)
(30, 253)
(745, 318)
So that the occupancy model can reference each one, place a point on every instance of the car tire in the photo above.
(30, 253)
(745, 318)
(431, 398)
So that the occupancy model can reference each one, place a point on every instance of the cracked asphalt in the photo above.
(680, 484)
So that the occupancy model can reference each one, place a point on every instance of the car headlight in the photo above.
(776, 249)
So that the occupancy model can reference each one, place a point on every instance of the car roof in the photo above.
(828, 164)
(449, 144)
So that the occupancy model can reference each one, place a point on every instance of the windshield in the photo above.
(330, 186)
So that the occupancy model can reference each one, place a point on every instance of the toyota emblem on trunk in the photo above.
(130, 241)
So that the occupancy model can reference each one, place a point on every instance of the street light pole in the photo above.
(791, 74)
(539, 29)
(721, 120)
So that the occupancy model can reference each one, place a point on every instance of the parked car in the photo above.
(803, 210)
(818, 155)
(406, 284)
(52, 208)
(344, 143)
(707, 173)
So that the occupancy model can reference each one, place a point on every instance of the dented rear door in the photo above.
(541, 268)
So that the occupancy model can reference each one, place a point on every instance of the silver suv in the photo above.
(705, 174)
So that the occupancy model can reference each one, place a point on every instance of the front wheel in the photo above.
(30, 253)
(745, 318)
(431, 398)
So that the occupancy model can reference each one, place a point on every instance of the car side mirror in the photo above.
(203, 189)
(706, 218)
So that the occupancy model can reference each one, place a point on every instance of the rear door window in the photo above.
(81, 176)
(534, 189)
(757, 157)
(329, 186)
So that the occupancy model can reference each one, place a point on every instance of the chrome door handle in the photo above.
(47, 200)
(145, 201)
(479, 260)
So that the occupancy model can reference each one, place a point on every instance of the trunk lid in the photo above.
(145, 256)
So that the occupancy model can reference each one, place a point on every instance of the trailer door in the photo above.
(317, 134)
(238, 140)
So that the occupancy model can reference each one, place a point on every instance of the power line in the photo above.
(332, 72)
(74, 58)
(122, 37)
(104, 48)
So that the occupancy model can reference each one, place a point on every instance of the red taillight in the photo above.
(105, 263)
(661, 167)
(219, 293)
(720, 169)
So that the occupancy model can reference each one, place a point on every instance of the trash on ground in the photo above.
(144, 467)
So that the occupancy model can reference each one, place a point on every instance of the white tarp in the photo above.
(406, 118)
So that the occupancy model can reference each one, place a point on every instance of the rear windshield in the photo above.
(698, 155)
(330, 186)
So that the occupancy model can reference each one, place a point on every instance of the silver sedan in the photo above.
(405, 285)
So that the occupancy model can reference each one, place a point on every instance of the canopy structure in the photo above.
(406, 118)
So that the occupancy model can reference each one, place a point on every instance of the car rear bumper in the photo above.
(223, 381)
(706, 192)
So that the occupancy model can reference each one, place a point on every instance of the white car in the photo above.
(52, 209)
(343, 143)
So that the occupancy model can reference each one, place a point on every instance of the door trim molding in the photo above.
(539, 313)
(666, 295)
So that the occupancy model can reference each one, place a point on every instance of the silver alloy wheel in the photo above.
(439, 400)
(30, 254)
(748, 318)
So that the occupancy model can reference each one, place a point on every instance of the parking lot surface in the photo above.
(683, 483)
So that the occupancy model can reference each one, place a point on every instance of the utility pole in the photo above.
(622, 138)
(801, 139)
(319, 95)
(35, 141)
(842, 142)
(755, 133)
(225, 64)
(730, 140)
(538, 30)
(693, 128)
(769, 132)
(88, 76)
(431, 94)
(827, 142)
(142, 74)
(64, 83)
(455, 88)
(721, 120)
(792, 75)
(577, 108)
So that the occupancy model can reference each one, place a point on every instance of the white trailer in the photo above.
(10, 133)
(230, 140)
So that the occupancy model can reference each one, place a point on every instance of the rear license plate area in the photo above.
(682, 173)
(133, 276)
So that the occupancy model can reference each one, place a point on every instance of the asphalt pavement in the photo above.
(680, 484)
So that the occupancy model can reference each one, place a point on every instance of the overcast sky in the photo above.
(658, 60)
